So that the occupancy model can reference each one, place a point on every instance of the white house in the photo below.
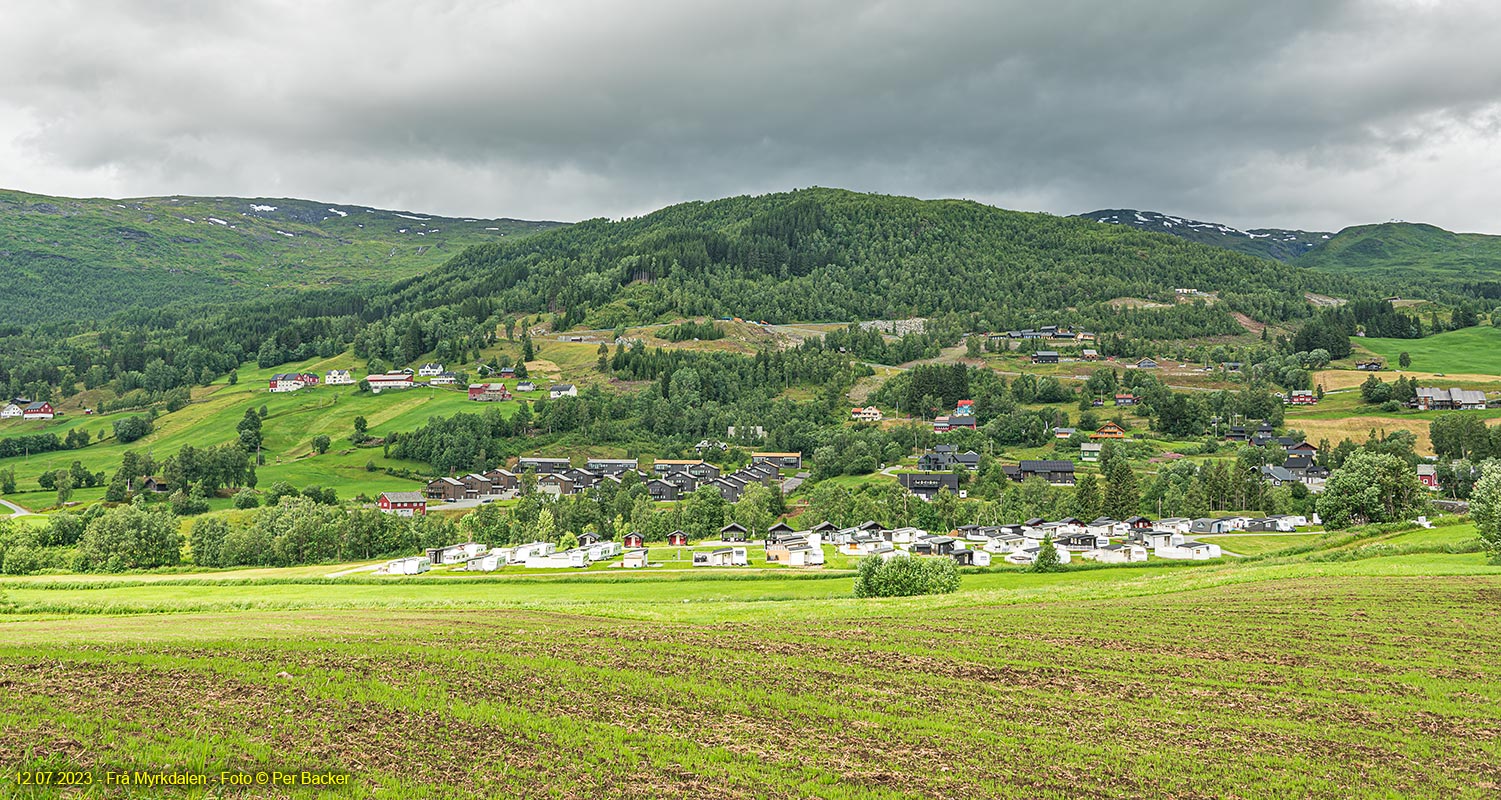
(1107, 527)
(430, 370)
(1154, 539)
(866, 414)
(1189, 550)
(338, 377)
(1118, 554)
(562, 390)
(526, 386)
(1179, 524)
(901, 535)
(981, 558)
(414, 565)
(10, 411)
(634, 559)
(443, 379)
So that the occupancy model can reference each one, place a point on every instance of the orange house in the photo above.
(1109, 430)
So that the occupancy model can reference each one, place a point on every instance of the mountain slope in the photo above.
(1412, 251)
(823, 254)
(1275, 243)
(65, 258)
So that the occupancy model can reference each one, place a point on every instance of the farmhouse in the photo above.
(1146, 363)
(389, 380)
(38, 410)
(430, 370)
(444, 379)
(1045, 357)
(779, 460)
(154, 484)
(1090, 451)
(1125, 399)
(402, 504)
(1110, 430)
(10, 411)
(1302, 397)
(1445, 399)
(292, 381)
(867, 414)
(526, 386)
(445, 489)
(562, 390)
(338, 377)
(1370, 365)
(488, 392)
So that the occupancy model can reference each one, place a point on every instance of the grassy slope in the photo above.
(293, 420)
(1187, 681)
(94, 256)
(1468, 350)
(1403, 249)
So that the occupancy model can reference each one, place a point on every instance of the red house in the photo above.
(39, 410)
(1303, 397)
(488, 392)
(677, 538)
(403, 504)
(632, 540)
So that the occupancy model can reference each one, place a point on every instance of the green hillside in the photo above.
(65, 258)
(1409, 251)
(1469, 350)
(824, 254)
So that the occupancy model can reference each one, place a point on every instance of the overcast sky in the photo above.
(1289, 113)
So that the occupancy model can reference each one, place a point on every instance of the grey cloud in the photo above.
(1308, 114)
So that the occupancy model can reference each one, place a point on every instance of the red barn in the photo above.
(488, 392)
(403, 504)
(41, 410)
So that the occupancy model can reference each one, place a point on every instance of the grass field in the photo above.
(1273, 678)
(1468, 350)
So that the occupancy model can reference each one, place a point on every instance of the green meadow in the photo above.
(1474, 350)
(1342, 671)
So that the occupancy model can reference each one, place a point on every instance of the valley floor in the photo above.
(1263, 679)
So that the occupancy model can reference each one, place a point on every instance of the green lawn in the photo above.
(1255, 545)
(1469, 350)
(1184, 681)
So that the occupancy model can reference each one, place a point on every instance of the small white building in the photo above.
(805, 556)
(10, 411)
(1154, 538)
(634, 559)
(1117, 554)
(576, 558)
(1189, 550)
(980, 558)
(1179, 524)
(526, 386)
(1029, 555)
(415, 565)
(562, 390)
(721, 557)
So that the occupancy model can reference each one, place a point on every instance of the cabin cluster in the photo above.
(668, 479)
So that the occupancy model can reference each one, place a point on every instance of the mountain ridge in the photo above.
(1280, 244)
(65, 258)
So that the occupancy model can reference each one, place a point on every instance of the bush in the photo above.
(905, 577)
(22, 559)
(131, 428)
(247, 498)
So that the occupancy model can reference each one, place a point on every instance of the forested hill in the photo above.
(1410, 251)
(1276, 243)
(824, 254)
(80, 259)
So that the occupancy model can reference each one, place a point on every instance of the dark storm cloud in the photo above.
(1289, 113)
